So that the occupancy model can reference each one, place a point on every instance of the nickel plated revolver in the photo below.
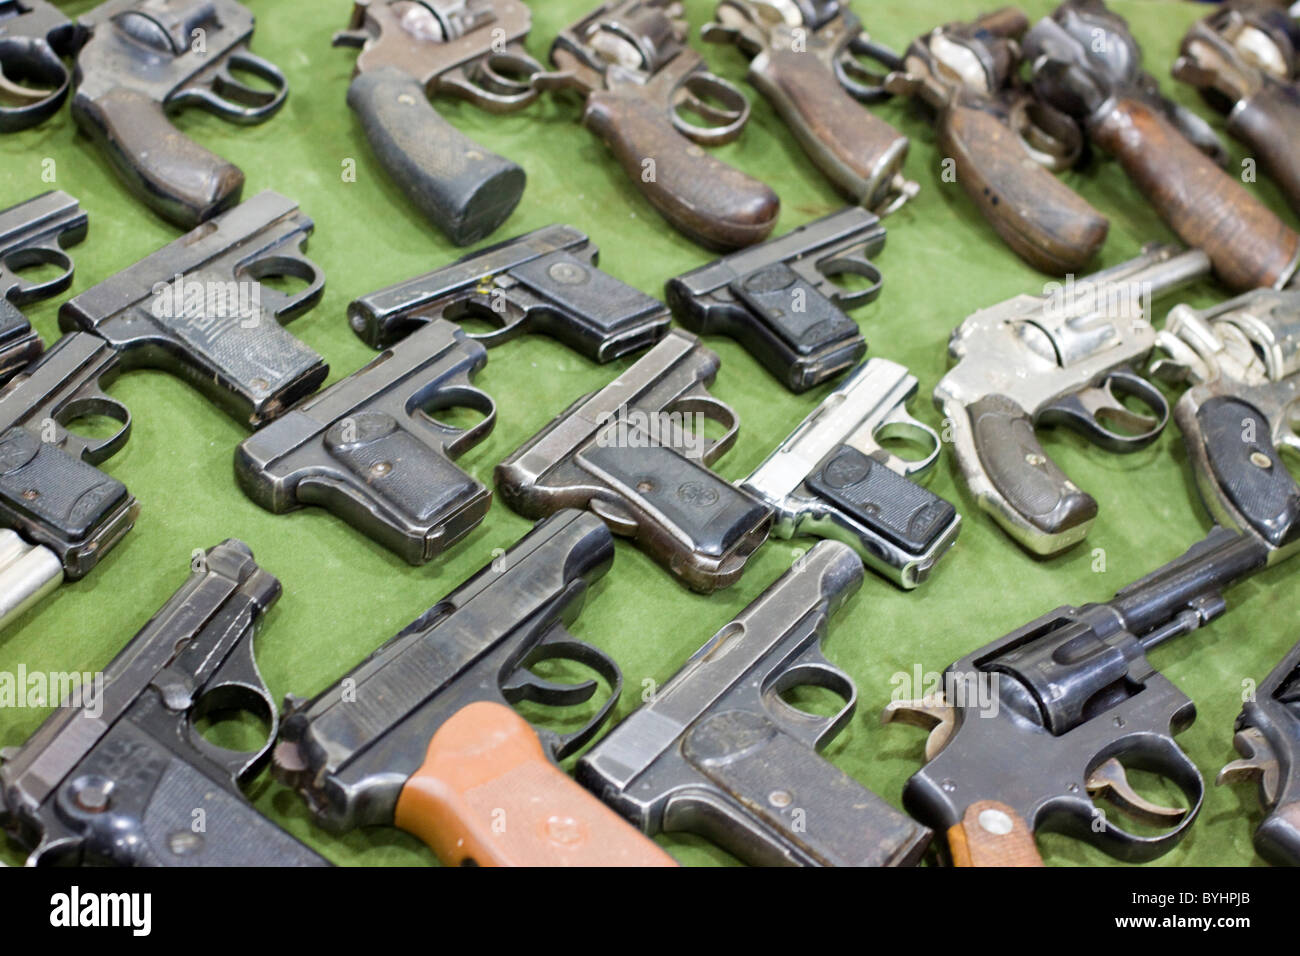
(1243, 59)
(1029, 729)
(142, 59)
(34, 38)
(1058, 358)
(833, 478)
(804, 60)
(34, 232)
(719, 753)
(1003, 142)
(1086, 63)
(121, 775)
(1241, 411)
(411, 50)
(630, 62)
(1268, 739)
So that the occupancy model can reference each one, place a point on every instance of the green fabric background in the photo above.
(344, 595)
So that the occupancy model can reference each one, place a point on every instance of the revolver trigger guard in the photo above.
(731, 118)
(236, 101)
(1051, 137)
(485, 85)
(1082, 412)
(1160, 756)
(20, 290)
(811, 670)
(30, 104)
(458, 396)
(858, 81)
(295, 266)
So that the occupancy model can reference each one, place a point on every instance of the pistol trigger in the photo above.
(929, 713)
(1110, 781)
(1258, 764)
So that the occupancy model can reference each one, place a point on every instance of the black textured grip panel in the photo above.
(715, 515)
(829, 815)
(804, 318)
(582, 291)
(1248, 470)
(405, 473)
(57, 499)
(462, 188)
(875, 496)
(1020, 470)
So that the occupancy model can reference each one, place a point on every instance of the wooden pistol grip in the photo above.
(992, 834)
(714, 204)
(488, 796)
(1269, 123)
(858, 152)
(1044, 221)
(1247, 243)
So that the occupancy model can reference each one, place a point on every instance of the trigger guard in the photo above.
(560, 645)
(1070, 412)
(248, 105)
(1169, 762)
(296, 266)
(1071, 143)
(23, 292)
(713, 410)
(456, 396)
(814, 673)
(93, 453)
(862, 45)
(853, 265)
(727, 92)
(240, 764)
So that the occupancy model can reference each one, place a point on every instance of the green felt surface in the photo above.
(344, 595)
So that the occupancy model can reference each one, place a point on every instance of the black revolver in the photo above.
(33, 233)
(779, 299)
(545, 281)
(34, 38)
(142, 59)
(421, 736)
(635, 453)
(1030, 728)
(473, 49)
(367, 448)
(719, 753)
(197, 308)
(1268, 739)
(60, 512)
(120, 774)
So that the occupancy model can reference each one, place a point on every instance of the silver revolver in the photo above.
(832, 478)
(1060, 358)
(1242, 360)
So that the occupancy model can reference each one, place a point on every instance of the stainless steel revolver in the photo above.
(1243, 360)
(1056, 358)
(833, 479)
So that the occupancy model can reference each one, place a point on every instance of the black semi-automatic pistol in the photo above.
(34, 38)
(367, 448)
(545, 281)
(718, 752)
(33, 233)
(779, 299)
(1268, 739)
(197, 308)
(60, 513)
(121, 775)
(144, 59)
(635, 453)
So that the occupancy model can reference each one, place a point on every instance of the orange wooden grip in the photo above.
(487, 795)
(992, 834)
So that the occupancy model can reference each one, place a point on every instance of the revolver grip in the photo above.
(463, 189)
(1040, 507)
(1269, 123)
(182, 181)
(1247, 243)
(1249, 475)
(1044, 221)
(487, 795)
(714, 204)
(858, 152)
